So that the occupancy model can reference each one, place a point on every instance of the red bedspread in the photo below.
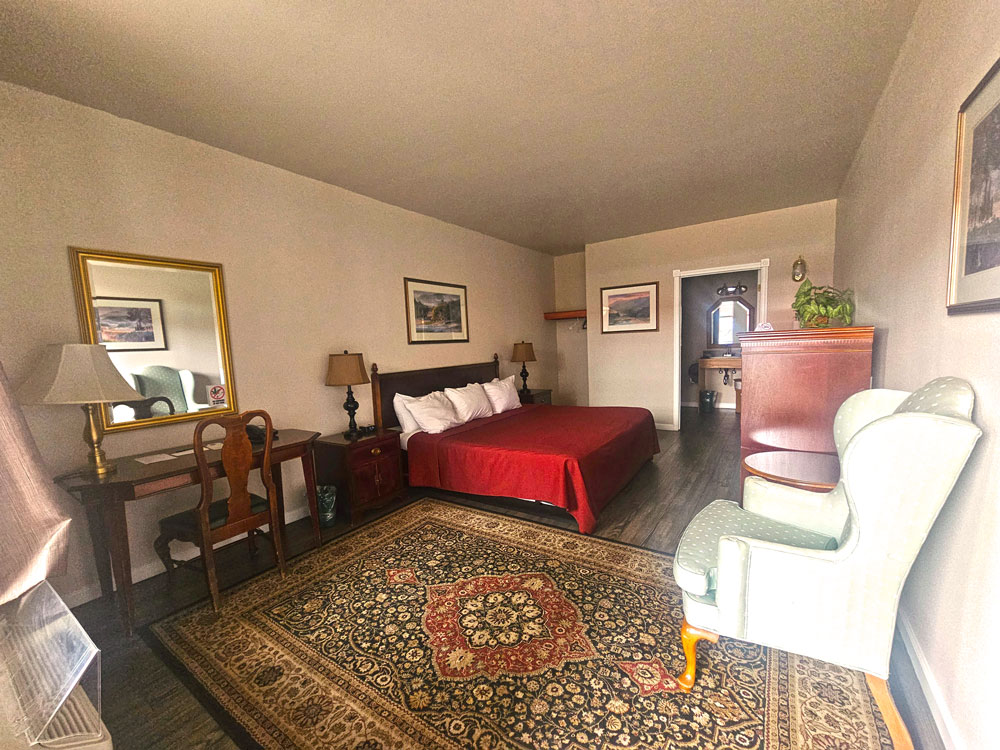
(575, 457)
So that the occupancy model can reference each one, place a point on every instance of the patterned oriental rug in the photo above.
(443, 627)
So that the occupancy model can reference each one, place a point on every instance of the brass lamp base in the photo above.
(93, 434)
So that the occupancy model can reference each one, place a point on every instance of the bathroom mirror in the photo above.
(163, 322)
(727, 318)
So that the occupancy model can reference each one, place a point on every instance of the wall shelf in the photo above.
(566, 315)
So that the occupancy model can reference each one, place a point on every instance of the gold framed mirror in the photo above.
(163, 321)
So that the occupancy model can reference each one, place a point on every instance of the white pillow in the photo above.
(406, 420)
(470, 402)
(502, 394)
(433, 412)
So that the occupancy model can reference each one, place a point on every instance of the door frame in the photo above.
(759, 266)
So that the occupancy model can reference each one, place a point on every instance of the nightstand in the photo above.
(536, 396)
(368, 473)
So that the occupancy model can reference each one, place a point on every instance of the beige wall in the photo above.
(571, 336)
(893, 229)
(638, 369)
(309, 269)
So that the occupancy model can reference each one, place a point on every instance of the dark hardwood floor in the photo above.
(146, 706)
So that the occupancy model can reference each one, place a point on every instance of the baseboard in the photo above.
(155, 567)
(694, 405)
(667, 426)
(927, 687)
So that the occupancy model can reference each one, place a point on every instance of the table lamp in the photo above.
(348, 369)
(79, 374)
(523, 352)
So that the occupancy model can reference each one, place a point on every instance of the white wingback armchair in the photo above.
(820, 574)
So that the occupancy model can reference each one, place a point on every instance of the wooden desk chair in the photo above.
(211, 521)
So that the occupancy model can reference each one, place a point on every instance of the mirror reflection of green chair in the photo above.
(176, 385)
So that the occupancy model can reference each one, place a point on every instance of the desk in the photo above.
(817, 472)
(104, 500)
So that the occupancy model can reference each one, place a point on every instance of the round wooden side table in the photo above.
(817, 472)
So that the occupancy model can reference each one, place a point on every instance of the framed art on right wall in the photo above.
(974, 269)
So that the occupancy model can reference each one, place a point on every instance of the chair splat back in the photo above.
(237, 460)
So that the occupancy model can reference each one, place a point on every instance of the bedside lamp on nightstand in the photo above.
(348, 369)
(523, 352)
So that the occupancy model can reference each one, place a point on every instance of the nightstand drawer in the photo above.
(367, 451)
(536, 396)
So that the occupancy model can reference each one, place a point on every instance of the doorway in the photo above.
(711, 307)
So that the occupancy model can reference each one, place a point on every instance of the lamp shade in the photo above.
(523, 352)
(75, 374)
(346, 369)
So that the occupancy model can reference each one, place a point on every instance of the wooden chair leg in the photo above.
(162, 547)
(690, 635)
(893, 721)
(208, 562)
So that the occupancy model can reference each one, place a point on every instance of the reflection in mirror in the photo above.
(163, 322)
(728, 318)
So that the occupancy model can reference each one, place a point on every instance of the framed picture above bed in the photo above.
(626, 309)
(436, 313)
(974, 269)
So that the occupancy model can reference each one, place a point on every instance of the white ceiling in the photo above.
(548, 124)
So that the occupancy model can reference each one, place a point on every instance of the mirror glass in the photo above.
(727, 318)
(163, 322)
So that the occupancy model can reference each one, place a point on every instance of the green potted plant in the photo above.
(823, 306)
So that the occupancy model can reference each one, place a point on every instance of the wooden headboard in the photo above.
(385, 385)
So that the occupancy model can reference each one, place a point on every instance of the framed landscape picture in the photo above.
(436, 313)
(129, 325)
(974, 271)
(625, 309)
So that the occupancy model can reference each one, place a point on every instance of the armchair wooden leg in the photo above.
(893, 721)
(690, 635)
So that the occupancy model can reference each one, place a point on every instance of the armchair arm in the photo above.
(761, 582)
(822, 512)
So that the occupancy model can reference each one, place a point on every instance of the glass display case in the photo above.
(50, 676)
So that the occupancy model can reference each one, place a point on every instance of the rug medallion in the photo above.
(443, 627)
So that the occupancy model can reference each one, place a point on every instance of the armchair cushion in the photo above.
(696, 562)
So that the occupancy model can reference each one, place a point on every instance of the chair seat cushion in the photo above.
(186, 522)
(696, 561)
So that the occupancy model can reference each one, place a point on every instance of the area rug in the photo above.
(443, 627)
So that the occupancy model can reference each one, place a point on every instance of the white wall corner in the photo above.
(943, 719)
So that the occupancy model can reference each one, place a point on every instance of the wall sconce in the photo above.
(731, 290)
(799, 269)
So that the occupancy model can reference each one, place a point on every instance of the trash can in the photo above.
(738, 385)
(706, 401)
(326, 495)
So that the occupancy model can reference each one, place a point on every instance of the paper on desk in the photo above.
(189, 451)
(155, 458)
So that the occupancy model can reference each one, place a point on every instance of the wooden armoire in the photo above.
(794, 382)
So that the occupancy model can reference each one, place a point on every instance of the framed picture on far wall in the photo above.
(625, 309)
(436, 313)
(129, 325)
(974, 271)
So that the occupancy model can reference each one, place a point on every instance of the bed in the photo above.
(573, 457)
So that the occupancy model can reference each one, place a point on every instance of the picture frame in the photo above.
(436, 312)
(974, 260)
(631, 308)
(129, 324)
